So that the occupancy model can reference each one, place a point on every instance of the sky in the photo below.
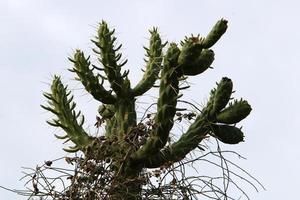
(259, 52)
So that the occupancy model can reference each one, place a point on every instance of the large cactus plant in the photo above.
(129, 146)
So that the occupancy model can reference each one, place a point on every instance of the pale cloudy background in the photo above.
(260, 52)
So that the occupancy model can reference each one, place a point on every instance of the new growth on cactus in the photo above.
(131, 147)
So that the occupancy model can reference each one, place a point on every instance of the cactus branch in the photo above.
(60, 104)
(234, 113)
(154, 54)
(89, 80)
(109, 57)
(220, 96)
(166, 106)
(215, 34)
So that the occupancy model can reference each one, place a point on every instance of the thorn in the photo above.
(118, 48)
(123, 63)
(181, 109)
(183, 88)
(98, 68)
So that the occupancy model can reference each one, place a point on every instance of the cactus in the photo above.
(129, 147)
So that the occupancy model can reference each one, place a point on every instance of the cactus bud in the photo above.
(234, 113)
(222, 95)
(191, 49)
(215, 34)
(228, 134)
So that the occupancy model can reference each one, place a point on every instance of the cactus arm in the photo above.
(89, 80)
(195, 55)
(194, 59)
(60, 104)
(153, 66)
(109, 57)
(227, 134)
(219, 97)
(125, 114)
(234, 113)
(166, 106)
(215, 34)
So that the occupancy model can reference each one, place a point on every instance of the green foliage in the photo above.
(109, 57)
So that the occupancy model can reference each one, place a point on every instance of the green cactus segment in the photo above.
(89, 80)
(227, 134)
(203, 62)
(166, 106)
(154, 55)
(215, 34)
(193, 59)
(221, 95)
(234, 113)
(60, 104)
(206, 58)
(168, 95)
(171, 58)
(110, 58)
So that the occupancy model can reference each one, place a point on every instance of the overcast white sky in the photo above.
(260, 53)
